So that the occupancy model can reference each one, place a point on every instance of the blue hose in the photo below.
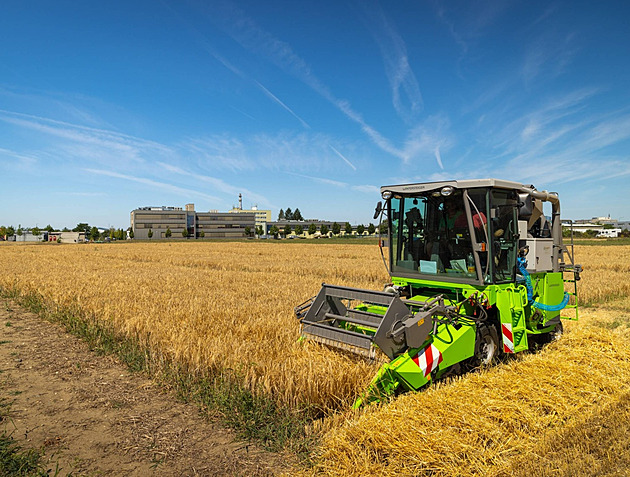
(522, 267)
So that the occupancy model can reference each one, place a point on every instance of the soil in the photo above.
(91, 416)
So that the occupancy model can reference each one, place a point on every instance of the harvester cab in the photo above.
(477, 270)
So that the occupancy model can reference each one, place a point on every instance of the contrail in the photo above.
(343, 157)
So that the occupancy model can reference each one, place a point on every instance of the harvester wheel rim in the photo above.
(486, 345)
(556, 333)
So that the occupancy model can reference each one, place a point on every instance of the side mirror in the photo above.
(525, 206)
(378, 210)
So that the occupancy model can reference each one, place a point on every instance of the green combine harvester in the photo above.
(477, 270)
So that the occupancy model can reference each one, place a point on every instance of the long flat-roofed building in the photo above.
(210, 224)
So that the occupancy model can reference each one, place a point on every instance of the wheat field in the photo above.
(229, 305)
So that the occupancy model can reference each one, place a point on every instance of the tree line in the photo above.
(91, 233)
(290, 215)
(324, 230)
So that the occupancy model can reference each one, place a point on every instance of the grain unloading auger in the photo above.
(461, 283)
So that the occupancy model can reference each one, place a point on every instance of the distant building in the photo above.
(604, 226)
(209, 224)
(262, 217)
(27, 236)
(66, 237)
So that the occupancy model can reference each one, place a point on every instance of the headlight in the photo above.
(446, 191)
(386, 195)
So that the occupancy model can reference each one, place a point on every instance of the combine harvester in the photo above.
(474, 265)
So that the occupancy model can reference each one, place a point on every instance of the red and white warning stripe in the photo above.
(428, 359)
(508, 339)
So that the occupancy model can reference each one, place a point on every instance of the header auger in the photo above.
(477, 270)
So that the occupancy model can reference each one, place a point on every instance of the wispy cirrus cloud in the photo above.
(153, 184)
(364, 188)
(18, 159)
(82, 142)
(217, 184)
(259, 41)
(304, 151)
(406, 96)
(207, 46)
(560, 141)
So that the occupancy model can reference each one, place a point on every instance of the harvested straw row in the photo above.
(482, 424)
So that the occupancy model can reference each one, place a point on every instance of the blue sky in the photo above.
(110, 106)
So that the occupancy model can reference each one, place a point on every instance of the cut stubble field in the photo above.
(213, 309)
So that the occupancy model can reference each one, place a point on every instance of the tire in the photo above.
(556, 333)
(486, 346)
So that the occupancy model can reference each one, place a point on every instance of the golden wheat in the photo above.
(210, 306)
(217, 306)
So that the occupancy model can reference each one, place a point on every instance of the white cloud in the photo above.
(406, 96)
(217, 184)
(186, 192)
(81, 142)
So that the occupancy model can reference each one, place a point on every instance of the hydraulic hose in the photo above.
(522, 267)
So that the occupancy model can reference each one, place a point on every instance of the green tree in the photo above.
(383, 228)
(281, 215)
(312, 228)
(150, 233)
(248, 231)
(259, 230)
(3, 231)
(288, 214)
(299, 230)
(168, 232)
(323, 229)
(336, 228)
(10, 231)
(273, 230)
(185, 232)
(112, 233)
(82, 227)
(202, 234)
(348, 228)
(371, 229)
(94, 233)
(35, 231)
(297, 215)
(19, 230)
(66, 229)
(287, 230)
(360, 229)
(49, 228)
(130, 232)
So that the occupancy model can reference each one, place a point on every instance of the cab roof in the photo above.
(457, 184)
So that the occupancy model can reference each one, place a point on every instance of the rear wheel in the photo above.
(556, 333)
(486, 346)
